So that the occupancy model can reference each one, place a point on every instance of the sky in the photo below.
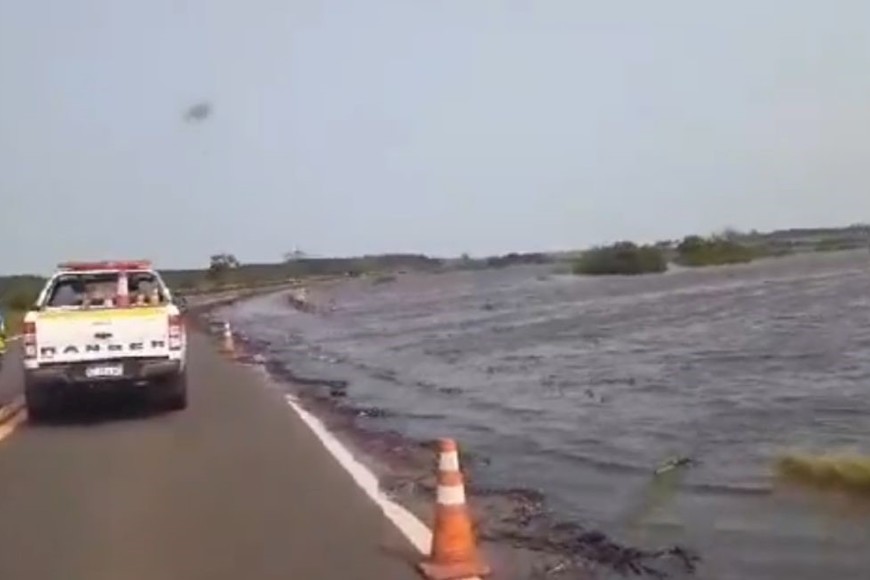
(440, 127)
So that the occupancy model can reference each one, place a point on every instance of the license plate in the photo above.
(102, 371)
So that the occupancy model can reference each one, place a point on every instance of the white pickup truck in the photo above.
(103, 326)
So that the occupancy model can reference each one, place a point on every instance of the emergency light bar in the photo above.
(109, 266)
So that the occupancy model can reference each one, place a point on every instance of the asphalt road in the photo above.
(235, 487)
(10, 373)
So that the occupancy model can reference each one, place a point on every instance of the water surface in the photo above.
(579, 387)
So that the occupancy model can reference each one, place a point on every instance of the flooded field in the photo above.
(580, 388)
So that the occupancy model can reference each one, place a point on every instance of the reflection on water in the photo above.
(582, 387)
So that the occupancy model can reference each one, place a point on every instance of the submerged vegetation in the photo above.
(833, 245)
(715, 250)
(694, 251)
(622, 258)
(846, 472)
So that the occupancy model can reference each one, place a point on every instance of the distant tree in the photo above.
(466, 262)
(691, 244)
(220, 265)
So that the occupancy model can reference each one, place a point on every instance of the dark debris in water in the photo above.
(518, 517)
(337, 386)
(582, 550)
(675, 462)
(371, 412)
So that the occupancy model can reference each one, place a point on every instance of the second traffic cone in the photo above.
(454, 553)
(227, 344)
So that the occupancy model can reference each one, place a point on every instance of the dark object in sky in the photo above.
(198, 112)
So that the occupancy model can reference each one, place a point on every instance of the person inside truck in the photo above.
(99, 295)
(134, 287)
(67, 292)
(145, 290)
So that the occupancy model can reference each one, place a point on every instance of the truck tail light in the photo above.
(176, 332)
(28, 337)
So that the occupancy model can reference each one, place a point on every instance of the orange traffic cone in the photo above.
(227, 344)
(454, 552)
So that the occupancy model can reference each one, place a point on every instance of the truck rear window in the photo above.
(100, 290)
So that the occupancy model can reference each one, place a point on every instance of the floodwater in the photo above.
(580, 387)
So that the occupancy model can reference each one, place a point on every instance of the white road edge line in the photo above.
(8, 415)
(407, 523)
(9, 425)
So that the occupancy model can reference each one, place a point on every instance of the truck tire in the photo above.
(176, 392)
(39, 403)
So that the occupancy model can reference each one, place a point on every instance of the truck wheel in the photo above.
(39, 404)
(176, 392)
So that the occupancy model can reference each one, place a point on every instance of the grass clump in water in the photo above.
(845, 471)
(718, 250)
(622, 258)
